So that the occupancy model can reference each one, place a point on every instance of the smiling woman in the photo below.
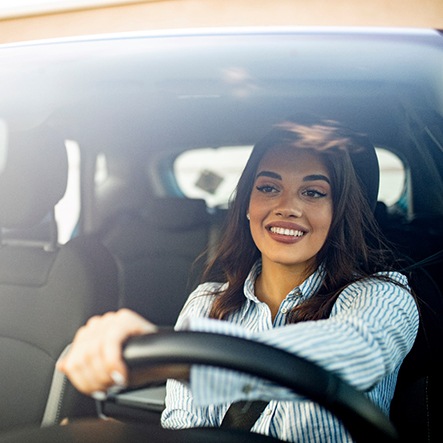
(291, 204)
(131, 106)
(296, 267)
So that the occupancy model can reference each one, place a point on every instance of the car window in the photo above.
(67, 210)
(392, 176)
(212, 174)
(209, 173)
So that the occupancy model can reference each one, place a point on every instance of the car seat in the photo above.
(415, 407)
(47, 291)
(156, 248)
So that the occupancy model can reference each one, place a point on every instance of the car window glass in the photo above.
(67, 210)
(392, 176)
(212, 174)
(101, 169)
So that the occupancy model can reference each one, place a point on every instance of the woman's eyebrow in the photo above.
(314, 177)
(269, 174)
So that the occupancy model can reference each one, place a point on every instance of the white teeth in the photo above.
(289, 232)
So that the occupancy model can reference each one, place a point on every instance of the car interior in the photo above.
(47, 291)
(138, 239)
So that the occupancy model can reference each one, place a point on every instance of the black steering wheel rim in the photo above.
(361, 417)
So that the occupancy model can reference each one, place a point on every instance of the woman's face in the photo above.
(290, 209)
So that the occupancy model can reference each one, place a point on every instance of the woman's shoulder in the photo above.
(205, 293)
(376, 288)
(382, 295)
(200, 301)
(394, 277)
(208, 289)
(389, 279)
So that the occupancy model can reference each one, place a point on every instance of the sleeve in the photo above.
(371, 329)
(180, 411)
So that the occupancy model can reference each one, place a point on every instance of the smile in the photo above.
(288, 232)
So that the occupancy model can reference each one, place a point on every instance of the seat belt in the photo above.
(243, 414)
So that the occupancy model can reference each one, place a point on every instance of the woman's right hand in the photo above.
(94, 362)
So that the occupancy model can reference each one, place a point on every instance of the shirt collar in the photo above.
(309, 287)
(248, 287)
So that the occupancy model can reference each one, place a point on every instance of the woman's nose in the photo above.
(289, 207)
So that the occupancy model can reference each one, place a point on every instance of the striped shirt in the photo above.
(372, 326)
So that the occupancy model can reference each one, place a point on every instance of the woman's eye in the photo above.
(266, 189)
(314, 193)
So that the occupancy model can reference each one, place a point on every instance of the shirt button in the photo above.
(246, 389)
(268, 411)
(284, 310)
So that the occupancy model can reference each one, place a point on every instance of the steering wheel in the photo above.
(361, 417)
(364, 421)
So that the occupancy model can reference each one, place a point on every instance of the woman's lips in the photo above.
(286, 232)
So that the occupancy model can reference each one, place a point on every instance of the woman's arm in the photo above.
(371, 329)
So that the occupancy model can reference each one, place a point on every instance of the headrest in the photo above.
(34, 178)
(367, 169)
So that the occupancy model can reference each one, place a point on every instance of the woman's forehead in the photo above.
(291, 160)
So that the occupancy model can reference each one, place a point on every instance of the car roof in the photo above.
(158, 90)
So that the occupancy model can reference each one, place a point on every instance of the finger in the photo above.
(95, 360)
(119, 327)
(86, 369)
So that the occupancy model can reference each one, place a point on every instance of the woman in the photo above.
(303, 270)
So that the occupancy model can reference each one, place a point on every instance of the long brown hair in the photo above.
(353, 249)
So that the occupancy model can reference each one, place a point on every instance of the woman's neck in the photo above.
(275, 282)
